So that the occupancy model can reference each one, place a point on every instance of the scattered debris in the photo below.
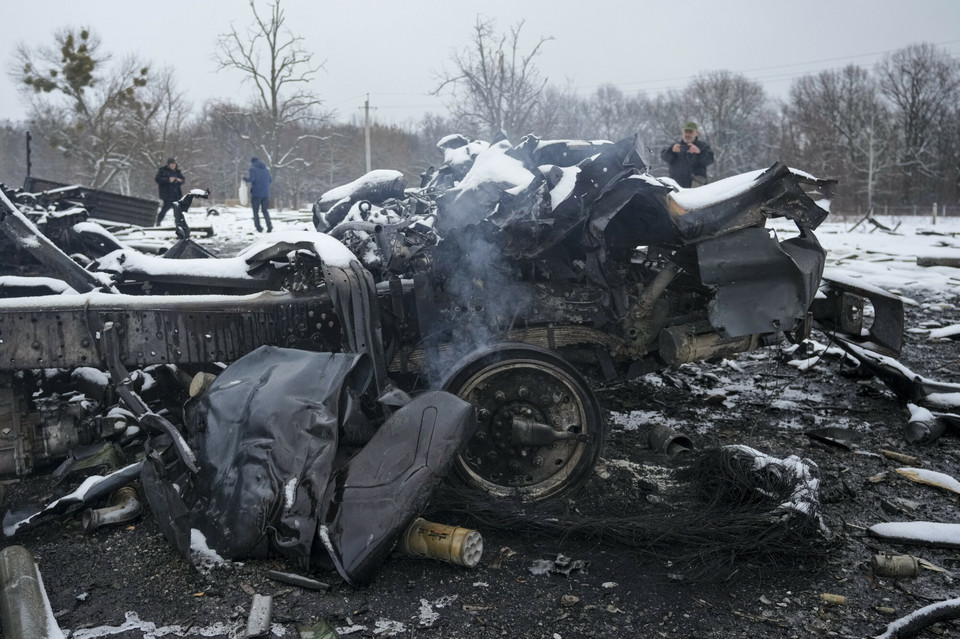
(298, 580)
(562, 565)
(667, 441)
(261, 613)
(910, 460)
(318, 630)
(896, 566)
(835, 436)
(24, 605)
(928, 260)
(124, 506)
(916, 621)
(945, 332)
(568, 601)
(931, 478)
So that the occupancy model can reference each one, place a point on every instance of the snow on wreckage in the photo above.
(508, 278)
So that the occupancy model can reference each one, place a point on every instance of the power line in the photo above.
(779, 77)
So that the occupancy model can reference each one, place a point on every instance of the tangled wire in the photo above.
(728, 505)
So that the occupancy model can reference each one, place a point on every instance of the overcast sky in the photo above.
(393, 50)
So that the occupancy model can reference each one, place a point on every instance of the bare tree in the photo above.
(91, 112)
(494, 85)
(734, 116)
(923, 83)
(280, 69)
(844, 128)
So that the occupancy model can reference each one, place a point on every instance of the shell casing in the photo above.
(455, 545)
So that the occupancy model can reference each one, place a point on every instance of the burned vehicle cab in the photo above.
(549, 275)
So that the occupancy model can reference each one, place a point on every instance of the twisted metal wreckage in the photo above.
(506, 280)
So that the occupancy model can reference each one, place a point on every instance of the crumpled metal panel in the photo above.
(378, 493)
(759, 286)
(266, 435)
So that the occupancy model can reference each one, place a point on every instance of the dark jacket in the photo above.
(684, 165)
(169, 191)
(259, 179)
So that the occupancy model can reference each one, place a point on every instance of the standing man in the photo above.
(169, 178)
(259, 178)
(688, 158)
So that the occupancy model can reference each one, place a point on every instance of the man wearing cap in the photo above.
(259, 178)
(688, 158)
(169, 178)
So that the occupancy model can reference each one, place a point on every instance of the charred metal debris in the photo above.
(489, 294)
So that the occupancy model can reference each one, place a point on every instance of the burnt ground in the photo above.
(132, 575)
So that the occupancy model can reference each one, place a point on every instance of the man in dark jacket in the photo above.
(169, 178)
(688, 158)
(259, 178)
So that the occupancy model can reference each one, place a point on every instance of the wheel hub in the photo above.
(521, 393)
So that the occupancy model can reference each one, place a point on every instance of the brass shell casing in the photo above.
(455, 545)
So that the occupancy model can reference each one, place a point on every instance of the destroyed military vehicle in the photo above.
(515, 277)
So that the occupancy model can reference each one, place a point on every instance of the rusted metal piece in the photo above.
(25, 234)
(840, 313)
(665, 440)
(896, 566)
(124, 506)
(62, 331)
(298, 580)
(689, 343)
(104, 205)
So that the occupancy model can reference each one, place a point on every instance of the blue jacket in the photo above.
(259, 178)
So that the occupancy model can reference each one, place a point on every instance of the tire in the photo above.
(535, 386)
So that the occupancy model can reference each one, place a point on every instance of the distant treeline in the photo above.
(890, 134)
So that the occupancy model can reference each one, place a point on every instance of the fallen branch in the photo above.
(919, 619)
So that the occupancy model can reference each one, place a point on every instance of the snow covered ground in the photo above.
(889, 260)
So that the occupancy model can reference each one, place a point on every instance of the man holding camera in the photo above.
(688, 158)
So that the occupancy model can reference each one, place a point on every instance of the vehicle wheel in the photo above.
(540, 429)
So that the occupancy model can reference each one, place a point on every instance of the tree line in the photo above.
(890, 134)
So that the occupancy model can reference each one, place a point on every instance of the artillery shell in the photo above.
(894, 565)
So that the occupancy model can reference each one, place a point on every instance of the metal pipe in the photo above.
(24, 607)
(681, 344)
(125, 505)
(664, 439)
(656, 288)
(343, 227)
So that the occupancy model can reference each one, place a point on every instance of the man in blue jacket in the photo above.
(259, 178)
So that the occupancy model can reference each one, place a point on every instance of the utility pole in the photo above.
(29, 165)
(366, 128)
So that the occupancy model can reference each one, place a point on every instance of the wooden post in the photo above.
(934, 221)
